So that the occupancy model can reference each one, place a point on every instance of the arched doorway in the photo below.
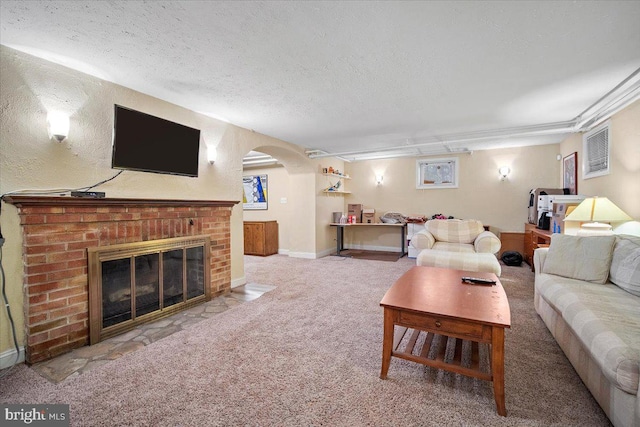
(290, 196)
(265, 197)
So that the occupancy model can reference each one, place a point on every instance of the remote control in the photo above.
(478, 280)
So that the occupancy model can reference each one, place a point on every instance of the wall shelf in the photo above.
(339, 191)
(336, 192)
(337, 176)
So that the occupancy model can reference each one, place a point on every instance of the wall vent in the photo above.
(596, 146)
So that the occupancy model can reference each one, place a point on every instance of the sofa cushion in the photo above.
(455, 230)
(625, 264)
(453, 247)
(466, 261)
(582, 258)
(605, 319)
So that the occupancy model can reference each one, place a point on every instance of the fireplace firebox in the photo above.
(134, 283)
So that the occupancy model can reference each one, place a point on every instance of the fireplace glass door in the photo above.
(147, 283)
(138, 282)
(173, 272)
(195, 278)
(116, 291)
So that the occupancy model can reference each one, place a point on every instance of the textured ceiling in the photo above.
(351, 76)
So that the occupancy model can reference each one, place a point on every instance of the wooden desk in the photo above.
(435, 301)
(533, 238)
(340, 234)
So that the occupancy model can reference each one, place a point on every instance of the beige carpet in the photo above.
(308, 354)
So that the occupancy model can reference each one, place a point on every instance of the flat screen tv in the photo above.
(146, 143)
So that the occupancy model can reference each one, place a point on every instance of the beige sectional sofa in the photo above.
(587, 292)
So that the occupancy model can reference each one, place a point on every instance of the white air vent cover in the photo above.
(595, 146)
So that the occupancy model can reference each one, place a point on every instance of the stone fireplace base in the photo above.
(57, 231)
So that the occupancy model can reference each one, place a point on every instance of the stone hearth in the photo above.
(56, 234)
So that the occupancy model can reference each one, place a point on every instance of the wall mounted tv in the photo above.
(146, 143)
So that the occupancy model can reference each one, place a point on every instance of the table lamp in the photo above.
(592, 211)
(630, 227)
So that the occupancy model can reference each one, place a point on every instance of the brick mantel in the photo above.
(88, 201)
(56, 234)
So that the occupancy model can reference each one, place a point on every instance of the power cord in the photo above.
(61, 192)
(6, 304)
(101, 182)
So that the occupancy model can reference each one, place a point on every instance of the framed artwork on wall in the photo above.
(254, 195)
(570, 173)
(437, 173)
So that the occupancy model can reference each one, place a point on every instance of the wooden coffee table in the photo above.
(435, 301)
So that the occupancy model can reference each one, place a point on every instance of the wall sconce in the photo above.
(504, 172)
(212, 154)
(57, 125)
(379, 179)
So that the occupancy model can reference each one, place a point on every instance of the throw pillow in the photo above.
(582, 258)
(625, 265)
(455, 230)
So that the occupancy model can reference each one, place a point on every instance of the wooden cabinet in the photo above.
(260, 238)
(511, 242)
(533, 239)
(528, 243)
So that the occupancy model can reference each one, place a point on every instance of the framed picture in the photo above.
(570, 173)
(437, 173)
(254, 195)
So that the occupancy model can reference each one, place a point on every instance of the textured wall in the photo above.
(622, 185)
(481, 194)
(29, 160)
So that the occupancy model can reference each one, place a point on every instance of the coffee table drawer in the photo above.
(441, 325)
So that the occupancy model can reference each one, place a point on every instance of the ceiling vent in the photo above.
(595, 146)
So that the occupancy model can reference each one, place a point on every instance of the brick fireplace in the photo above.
(57, 231)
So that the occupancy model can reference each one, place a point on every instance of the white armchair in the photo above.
(456, 235)
(457, 244)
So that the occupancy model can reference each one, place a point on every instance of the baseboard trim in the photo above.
(305, 255)
(8, 358)
(238, 282)
(326, 252)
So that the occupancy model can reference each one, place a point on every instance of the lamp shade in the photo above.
(58, 125)
(597, 209)
(629, 227)
(212, 154)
